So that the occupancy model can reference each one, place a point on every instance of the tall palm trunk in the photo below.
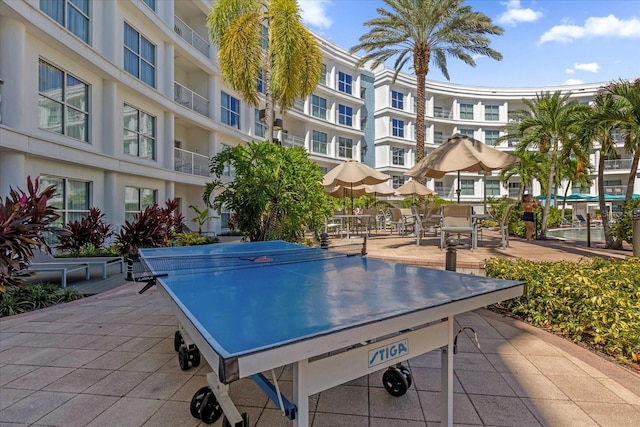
(552, 174)
(421, 65)
(632, 174)
(609, 242)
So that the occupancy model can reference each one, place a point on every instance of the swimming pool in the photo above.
(578, 234)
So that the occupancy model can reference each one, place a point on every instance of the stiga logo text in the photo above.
(388, 352)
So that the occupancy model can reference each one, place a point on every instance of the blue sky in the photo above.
(545, 42)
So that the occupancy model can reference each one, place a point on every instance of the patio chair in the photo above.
(431, 219)
(457, 219)
(42, 259)
(395, 219)
(332, 225)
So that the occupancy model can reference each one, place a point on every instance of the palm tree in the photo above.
(627, 119)
(596, 129)
(531, 166)
(428, 31)
(547, 123)
(265, 38)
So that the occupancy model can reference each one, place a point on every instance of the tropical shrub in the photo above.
(622, 228)
(18, 300)
(151, 228)
(91, 230)
(496, 208)
(25, 218)
(595, 301)
(192, 239)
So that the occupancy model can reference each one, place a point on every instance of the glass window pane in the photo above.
(130, 117)
(78, 24)
(131, 199)
(50, 81)
(147, 148)
(57, 200)
(130, 143)
(77, 124)
(148, 198)
(148, 74)
(81, 5)
(131, 63)
(77, 195)
(49, 115)
(147, 124)
(147, 51)
(53, 8)
(131, 38)
(76, 93)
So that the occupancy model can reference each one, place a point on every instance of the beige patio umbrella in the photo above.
(351, 174)
(461, 153)
(341, 191)
(413, 188)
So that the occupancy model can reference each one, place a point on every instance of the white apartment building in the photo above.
(120, 104)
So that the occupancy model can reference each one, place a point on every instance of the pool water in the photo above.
(578, 234)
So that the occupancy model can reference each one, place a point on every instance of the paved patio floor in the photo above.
(108, 360)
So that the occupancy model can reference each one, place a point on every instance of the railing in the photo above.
(617, 164)
(438, 139)
(442, 113)
(514, 193)
(292, 141)
(615, 190)
(194, 39)
(299, 105)
(190, 99)
(190, 162)
(444, 192)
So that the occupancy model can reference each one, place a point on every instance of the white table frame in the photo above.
(320, 363)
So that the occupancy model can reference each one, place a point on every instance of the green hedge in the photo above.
(595, 301)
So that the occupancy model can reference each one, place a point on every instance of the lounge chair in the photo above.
(580, 221)
(62, 268)
(41, 259)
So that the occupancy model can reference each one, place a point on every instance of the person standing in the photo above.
(529, 205)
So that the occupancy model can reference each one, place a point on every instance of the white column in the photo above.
(12, 71)
(169, 192)
(112, 200)
(167, 139)
(212, 95)
(110, 25)
(168, 70)
(12, 171)
(111, 119)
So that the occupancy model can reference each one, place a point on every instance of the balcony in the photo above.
(292, 141)
(190, 162)
(190, 99)
(615, 190)
(617, 164)
(193, 38)
(442, 113)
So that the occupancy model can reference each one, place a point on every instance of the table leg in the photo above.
(301, 393)
(446, 375)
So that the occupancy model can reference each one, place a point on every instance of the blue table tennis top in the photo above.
(242, 311)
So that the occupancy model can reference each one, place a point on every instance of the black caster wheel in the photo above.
(210, 409)
(407, 375)
(197, 401)
(183, 358)
(194, 357)
(394, 382)
(243, 423)
(177, 341)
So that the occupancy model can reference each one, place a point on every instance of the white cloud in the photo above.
(314, 13)
(592, 67)
(573, 82)
(570, 71)
(607, 26)
(515, 14)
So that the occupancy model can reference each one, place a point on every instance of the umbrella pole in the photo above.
(352, 198)
(458, 191)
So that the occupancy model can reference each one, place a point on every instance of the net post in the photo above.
(129, 276)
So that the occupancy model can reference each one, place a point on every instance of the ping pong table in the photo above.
(250, 308)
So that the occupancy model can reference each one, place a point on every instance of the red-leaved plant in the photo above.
(24, 218)
(90, 230)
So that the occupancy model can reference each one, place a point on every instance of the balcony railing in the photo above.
(190, 162)
(190, 99)
(438, 139)
(292, 141)
(193, 38)
(615, 190)
(617, 164)
(442, 113)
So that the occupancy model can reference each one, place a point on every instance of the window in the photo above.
(319, 107)
(323, 74)
(230, 110)
(71, 14)
(344, 83)
(397, 128)
(71, 200)
(345, 115)
(228, 170)
(345, 147)
(397, 100)
(137, 199)
(514, 189)
(258, 125)
(491, 137)
(397, 156)
(468, 132)
(397, 181)
(261, 87)
(438, 138)
(466, 187)
(466, 111)
(151, 4)
(439, 188)
(319, 142)
(264, 36)
(493, 187)
(225, 217)
(139, 133)
(63, 102)
(491, 113)
(139, 56)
